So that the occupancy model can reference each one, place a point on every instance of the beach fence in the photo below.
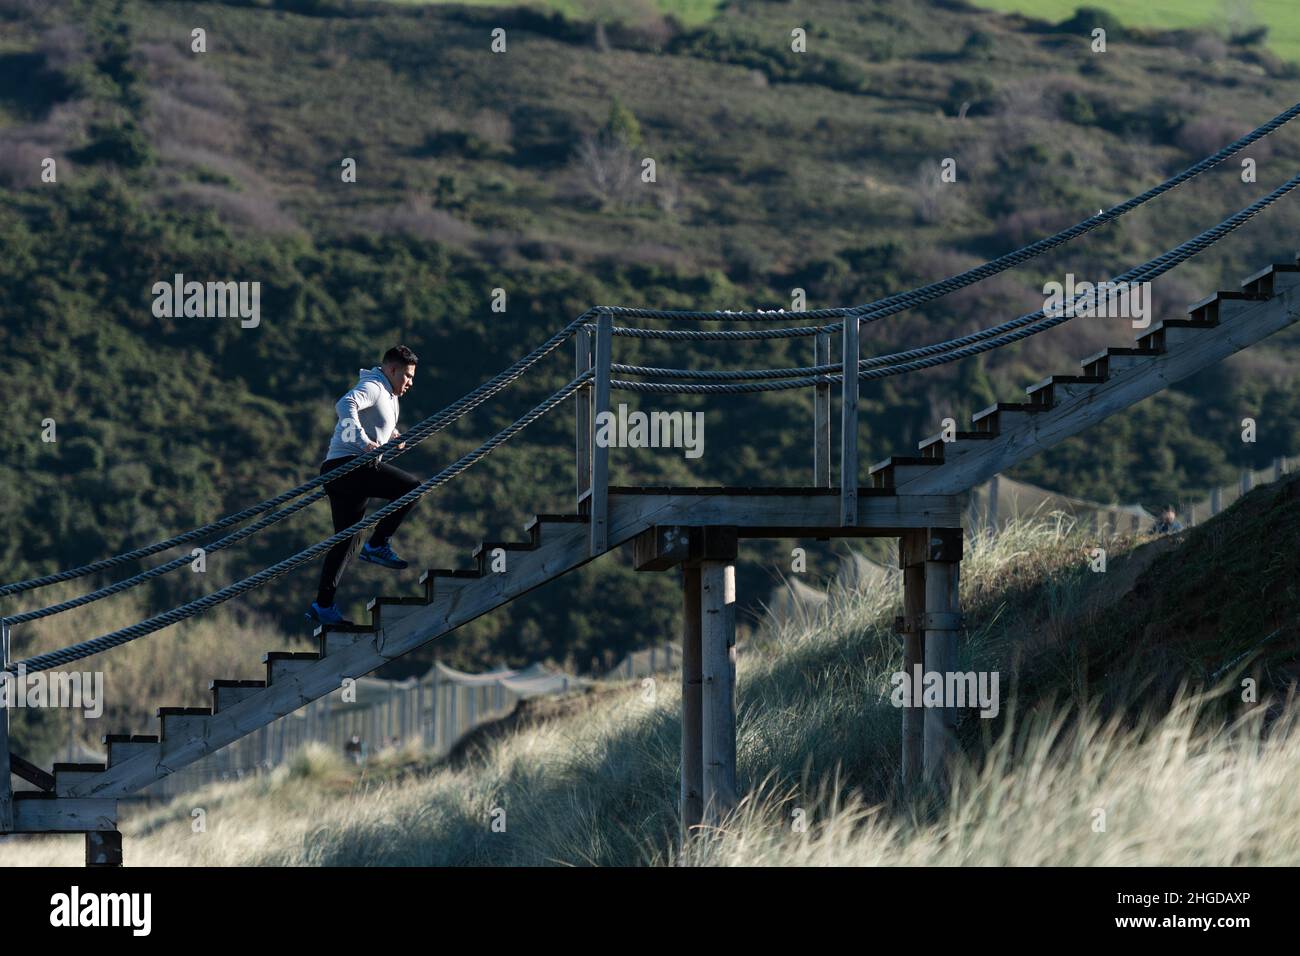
(434, 711)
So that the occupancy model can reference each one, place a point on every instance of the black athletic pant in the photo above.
(348, 506)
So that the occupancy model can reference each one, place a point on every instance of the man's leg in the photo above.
(390, 482)
(347, 507)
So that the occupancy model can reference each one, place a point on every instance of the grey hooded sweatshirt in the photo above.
(369, 408)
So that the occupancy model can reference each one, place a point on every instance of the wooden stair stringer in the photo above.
(567, 549)
(1249, 322)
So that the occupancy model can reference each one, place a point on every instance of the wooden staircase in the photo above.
(1113, 379)
(915, 491)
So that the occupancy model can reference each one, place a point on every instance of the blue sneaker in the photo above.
(326, 615)
(383, 555)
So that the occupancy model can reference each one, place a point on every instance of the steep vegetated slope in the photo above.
(479, 171)
(593, 779)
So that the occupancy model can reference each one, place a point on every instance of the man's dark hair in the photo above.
(400, 354)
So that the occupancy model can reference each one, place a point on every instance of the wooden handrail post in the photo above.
(582, 413)
(822, 417)
(599, 451)
(942, 626)
(692, 789)
(6, 783)
(849, 425)
(718, 692)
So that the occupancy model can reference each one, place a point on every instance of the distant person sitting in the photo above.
(1168, 522)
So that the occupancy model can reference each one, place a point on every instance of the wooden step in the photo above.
(1209, 309)
(283, 664)
(1110, 360)
(183, 722)
(332, 638)
(439, 580)
(936, 447)
(890, 472)
(122, 747)
(1262, 282)
(987, 419)
(1171, 333)
(389, 610)
(483, 553)
(228, 693)
(1057, 388)
(68, 775)
(534, 525)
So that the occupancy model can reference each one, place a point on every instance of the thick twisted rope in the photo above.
(870, 312)
(430, 426)
(180, 613)
(987, 339)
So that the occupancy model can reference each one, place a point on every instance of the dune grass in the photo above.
(818, 748)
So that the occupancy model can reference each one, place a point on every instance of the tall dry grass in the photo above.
(1057, 785)
(171, 667)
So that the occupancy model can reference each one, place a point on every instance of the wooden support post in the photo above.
(992, 509)
(582, 417)
(104, 848)
(718, 648)
(1246, 477)
(1277, 469)
(911, 558)
(1216, 501)
(692, 790)
(849, 425)
(822, 417)
(599, 452)
(942, 626)
(6, 783)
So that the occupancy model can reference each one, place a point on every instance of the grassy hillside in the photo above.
(1233, 20)
(1184, 777)
(479, 171)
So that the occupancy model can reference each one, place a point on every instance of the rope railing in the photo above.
(741, 381)
(943, 352)
(429, 426)
(900, 301)
(182, 612)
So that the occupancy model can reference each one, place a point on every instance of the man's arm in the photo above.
(363, 396)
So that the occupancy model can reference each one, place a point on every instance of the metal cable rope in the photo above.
(125, 635)
(417, 434)
(1006, 333)
(181, 561)
(890, 305)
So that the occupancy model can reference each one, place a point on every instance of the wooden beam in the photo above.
(103, 848)
(582, 400)
(798, 513)
(28, 771)
(6, 782)
(1241, 323)
(692, 781)
(63, 815)
(849, 425)
(911, 552)
(942, 610)
(565, 547)
(822, 416)
(718, 649)
(599, 452)
(661, 547)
